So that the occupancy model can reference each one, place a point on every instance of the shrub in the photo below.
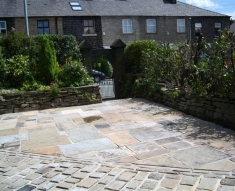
(15, 71)
(2, 66)
(47, 65)
(134, 57)
(32, 62)
(216, 75)
(33, 86)
(74, 74)
(15, 43)
(201, 68)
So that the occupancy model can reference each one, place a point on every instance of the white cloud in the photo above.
(203, 3)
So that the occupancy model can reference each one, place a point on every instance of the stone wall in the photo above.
(55, 24)
(9, 22)
(166, 28)
(208, 26)
(213, 109)
(38, 100)
(164, 31)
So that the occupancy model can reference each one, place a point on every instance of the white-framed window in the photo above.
(126, 25)
(217, 29)
(89, 26)
(151, 25)
(3, 27)
(181, 28)
(198, 29)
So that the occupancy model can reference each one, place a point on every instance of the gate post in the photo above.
(85, 49)
(118, 65)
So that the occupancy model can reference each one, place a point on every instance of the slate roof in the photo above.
(15, 8)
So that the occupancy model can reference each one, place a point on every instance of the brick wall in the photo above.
(55, 25)
(74, 26)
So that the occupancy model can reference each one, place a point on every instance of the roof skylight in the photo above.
(75, 6)
(78, 8)
(74, 3)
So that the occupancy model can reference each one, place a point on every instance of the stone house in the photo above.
(232, 27)
(100, 22)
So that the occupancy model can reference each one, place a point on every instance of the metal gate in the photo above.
(107, 88)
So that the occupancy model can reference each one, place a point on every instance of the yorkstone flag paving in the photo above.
(122, 145)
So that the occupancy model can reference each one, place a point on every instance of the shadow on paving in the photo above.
(198, 129)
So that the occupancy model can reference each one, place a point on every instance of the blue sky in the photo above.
(221, 6)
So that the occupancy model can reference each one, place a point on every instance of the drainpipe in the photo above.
(56, 25)
(190, 29)
(190, 37)
(26, 18)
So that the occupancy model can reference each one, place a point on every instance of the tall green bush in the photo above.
(134, 55)
(15, 43)
(47, 64)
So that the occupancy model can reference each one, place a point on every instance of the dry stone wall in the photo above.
(213, 109)
(38, 100)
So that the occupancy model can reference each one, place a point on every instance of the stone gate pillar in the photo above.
(118, 65)
(85, 49)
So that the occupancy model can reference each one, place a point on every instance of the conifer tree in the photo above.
(48, 68)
